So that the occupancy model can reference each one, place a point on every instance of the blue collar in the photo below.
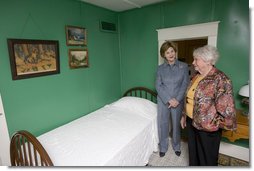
(176, 63)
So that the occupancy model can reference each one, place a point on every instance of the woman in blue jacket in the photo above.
(172, 80)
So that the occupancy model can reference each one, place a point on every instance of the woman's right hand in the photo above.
(183, 121)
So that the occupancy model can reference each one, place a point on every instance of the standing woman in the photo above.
(209, 108)
(171, 83)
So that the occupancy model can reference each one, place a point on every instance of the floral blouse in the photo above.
(214, 105)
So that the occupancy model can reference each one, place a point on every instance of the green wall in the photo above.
(139, 45)
(43, 103)
(117, 61)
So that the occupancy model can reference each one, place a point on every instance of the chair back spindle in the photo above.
(26, 150)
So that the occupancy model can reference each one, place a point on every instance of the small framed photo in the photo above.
(33, 58)
(78, 58)
(75, 36)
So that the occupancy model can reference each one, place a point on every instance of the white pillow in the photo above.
(139, 105)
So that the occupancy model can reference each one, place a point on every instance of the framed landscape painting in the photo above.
(75, 36)
(78, 58)
(33, 58)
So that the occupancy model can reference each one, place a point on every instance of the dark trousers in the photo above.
(203, 146)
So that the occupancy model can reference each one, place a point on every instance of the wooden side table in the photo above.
(242, 130)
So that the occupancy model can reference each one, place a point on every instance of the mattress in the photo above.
(123, 133)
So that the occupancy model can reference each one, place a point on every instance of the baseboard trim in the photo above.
(235, 151)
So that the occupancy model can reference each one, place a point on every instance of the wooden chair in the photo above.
(26, 150)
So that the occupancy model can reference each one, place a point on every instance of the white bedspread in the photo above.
(111, 136)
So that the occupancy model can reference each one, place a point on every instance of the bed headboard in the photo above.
(142, 92)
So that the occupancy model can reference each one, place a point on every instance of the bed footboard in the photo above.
(142, 92)
(26, 150)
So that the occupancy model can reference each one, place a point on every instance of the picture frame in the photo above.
(78, 58)
(75, 36)
(33, 58)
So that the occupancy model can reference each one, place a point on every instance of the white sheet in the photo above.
(110, 136)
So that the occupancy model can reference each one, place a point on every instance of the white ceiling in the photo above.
(121, 5)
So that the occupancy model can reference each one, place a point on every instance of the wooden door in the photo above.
(185, 51)
(186, 48)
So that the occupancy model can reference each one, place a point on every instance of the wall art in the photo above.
(33, 58)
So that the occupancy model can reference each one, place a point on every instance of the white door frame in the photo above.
(5, 139)
(207, 30)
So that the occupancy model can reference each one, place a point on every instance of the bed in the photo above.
(123, 133)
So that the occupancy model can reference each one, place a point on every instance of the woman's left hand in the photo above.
(183, 121)
(173, 103)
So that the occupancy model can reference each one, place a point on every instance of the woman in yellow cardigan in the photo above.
(209, 108)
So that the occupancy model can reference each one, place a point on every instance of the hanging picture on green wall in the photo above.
(75, 36)
(78, 58)
(33, 58)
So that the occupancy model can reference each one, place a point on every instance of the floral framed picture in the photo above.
(75, 36)
(33, 58)
(78, 58)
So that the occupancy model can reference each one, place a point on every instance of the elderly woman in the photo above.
(171, 83)
(209, 108)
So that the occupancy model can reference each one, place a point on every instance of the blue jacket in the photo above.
(172, 81)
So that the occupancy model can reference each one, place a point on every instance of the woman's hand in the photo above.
(173, 103)
(183, 121)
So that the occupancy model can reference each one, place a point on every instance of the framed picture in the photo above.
(78, 58)
(75, 36)
(33, 58)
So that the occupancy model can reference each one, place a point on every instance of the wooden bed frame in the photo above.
(143, 93)
(26, 150)
(25, 147)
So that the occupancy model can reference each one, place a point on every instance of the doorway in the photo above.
(186, 48)
(207, 31)
(185, 51)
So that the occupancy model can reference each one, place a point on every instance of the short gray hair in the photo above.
(208, 53)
